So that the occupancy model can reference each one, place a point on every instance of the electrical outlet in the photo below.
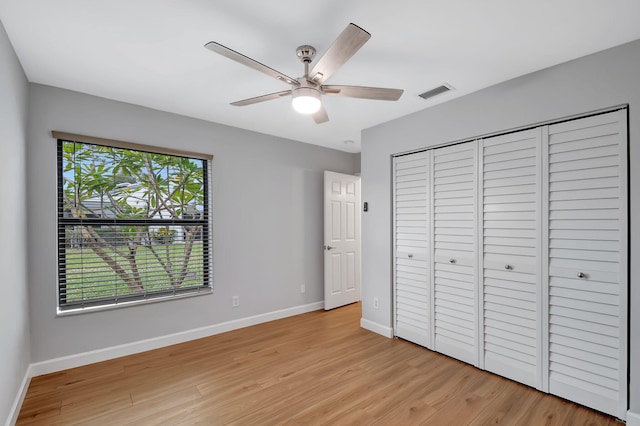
(235, 301)
(303, 288)
(376, 303)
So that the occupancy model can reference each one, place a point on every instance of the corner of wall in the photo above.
(14, 317)
(356, 164)
(17, 403)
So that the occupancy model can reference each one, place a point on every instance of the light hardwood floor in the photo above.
(316, 368)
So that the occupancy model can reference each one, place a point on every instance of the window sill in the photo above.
(90, 309)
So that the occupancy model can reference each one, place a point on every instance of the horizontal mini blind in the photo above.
(132, 225)
(587, 242)
(412, 260)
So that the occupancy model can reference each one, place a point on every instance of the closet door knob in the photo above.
(508, 267)
(410, 256)
(452, 261)
(582, 275)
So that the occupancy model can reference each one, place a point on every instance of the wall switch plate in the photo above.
(376, 303)
(303, 288)
(235, 301)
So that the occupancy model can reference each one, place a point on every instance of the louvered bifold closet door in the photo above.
(587, 261)
(454, 230)
(510, 256)
(412, 250)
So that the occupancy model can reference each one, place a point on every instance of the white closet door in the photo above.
(587, 266)
(511, 282)
(454, 230)
(412, 253)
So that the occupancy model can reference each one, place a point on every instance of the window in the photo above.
(133, 224)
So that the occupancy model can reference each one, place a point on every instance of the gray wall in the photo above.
(14, 315)
(356, 164)
(267, 221)
(605, 79)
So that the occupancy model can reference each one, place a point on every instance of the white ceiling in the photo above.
(150, 52)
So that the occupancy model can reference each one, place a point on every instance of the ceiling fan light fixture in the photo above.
(306, 100)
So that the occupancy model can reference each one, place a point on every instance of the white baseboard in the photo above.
(376, 328)
(17, 403)
(77, 360)
(633, 419)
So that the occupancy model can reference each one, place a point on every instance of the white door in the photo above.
(341, 239)
(511, 283)
(587, 261)
(412, 253)
(454, 253)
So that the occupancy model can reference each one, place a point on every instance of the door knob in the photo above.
(581, 275)
(328, 247)
(452, 261)
(508, 267)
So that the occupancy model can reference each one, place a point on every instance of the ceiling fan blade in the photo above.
(262, 98)
(377, 93)
(321, 115)
(245, 60)
(344, 47)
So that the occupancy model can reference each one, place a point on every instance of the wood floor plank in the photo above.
(37, 409)
(512, 406)
(319, 368)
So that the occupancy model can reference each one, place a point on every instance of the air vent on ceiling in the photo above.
(436, 91)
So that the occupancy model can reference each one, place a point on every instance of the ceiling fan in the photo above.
(307, 90)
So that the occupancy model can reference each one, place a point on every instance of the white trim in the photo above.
(376, 328)
(394, 253)
(478, 245)
(544, 261)
(623, 390)
(431, 253)
(76, 360)
(12, 418)
(633, 419)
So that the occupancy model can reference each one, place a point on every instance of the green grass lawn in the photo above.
(88, 277)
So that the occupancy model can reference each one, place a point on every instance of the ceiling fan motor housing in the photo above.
(306, 53)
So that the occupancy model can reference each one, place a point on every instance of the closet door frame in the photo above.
(624, 263)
